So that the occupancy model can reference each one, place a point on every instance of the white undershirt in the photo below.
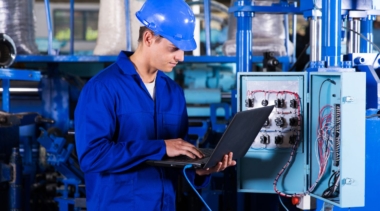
(150, 88)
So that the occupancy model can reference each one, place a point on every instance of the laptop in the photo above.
(237, 138)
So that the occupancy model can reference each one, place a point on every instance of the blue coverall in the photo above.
(118, 126)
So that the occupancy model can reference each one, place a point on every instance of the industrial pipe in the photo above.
(353, 39)
(7, 51)
(315, 39)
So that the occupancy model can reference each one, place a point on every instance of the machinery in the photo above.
(308, 143)
(317, 149)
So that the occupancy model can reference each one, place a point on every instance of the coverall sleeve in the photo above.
(95, 128)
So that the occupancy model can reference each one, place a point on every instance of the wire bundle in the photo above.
(332, 190)
(251, 95)
(17, 21)
(324, 147)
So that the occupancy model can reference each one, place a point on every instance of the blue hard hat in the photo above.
(172, 19)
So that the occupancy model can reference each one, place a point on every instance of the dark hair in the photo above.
(143, 29)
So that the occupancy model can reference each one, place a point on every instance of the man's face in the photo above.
(164, 55)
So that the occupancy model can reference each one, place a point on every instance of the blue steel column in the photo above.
(6, 97)
(367, 30)
(207, 13)
(15, 186)
(244, 38)
(331, 32)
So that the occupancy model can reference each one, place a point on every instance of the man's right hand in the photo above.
(176, 147)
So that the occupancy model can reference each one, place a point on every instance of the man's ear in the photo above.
(148, 38)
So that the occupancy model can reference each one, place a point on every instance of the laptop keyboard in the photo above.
(206, 151)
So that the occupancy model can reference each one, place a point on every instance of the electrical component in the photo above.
(307, 203)
(336, 154)
(249, 103)
(279, 139)
(293, 103)
(280, 121)
(265, 139)
(293, 139)
(293, 121)
(279, 103)
(264, 102)
(266, 123)
(270, 62)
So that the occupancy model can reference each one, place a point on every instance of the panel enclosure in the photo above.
(272, 148)
(337, 137)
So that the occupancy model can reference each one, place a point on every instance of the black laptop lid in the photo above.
(240, 134)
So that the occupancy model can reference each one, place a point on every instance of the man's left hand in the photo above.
(225, 163)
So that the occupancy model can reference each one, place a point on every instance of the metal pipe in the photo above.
(128, 25)
(286, 18)
(367, 30)
(353, 39)
(72, 27)
(331, 32)
(207, 11)
(294, 37)
(315, 39)
(50, 28)
(244, 38)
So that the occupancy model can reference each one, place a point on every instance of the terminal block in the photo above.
(279, 139)
(279, 103)
(249, 103)
(293, 103)
(293, 121)
(266, 123)
(280, 121)
(265, 139)
(264, 102)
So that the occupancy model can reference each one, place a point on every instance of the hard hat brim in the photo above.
(185, 45)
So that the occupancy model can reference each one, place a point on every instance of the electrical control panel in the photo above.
(281, 135)
(337, 137)
(313, 142)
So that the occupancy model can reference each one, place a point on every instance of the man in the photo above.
(132, 112)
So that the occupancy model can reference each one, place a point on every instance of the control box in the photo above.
(302, 148)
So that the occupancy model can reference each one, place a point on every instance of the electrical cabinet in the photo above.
(314, 140)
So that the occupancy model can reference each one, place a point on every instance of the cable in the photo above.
(319, 96)
(372, 115)
(365, 38)
(332, 187)
(283, 205)
(374, 61)
(187, 179)
(322, 148)
(299, 57)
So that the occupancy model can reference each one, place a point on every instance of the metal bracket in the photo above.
(347, 99)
